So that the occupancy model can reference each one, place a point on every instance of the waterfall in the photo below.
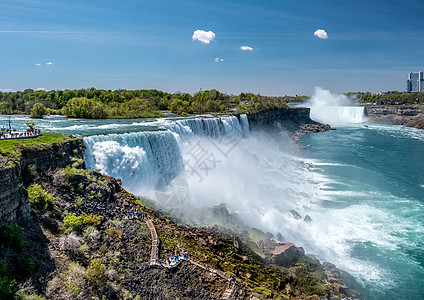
(352, 114)
(338, 115)
(244, 122)
(138, 158)
(142, 159)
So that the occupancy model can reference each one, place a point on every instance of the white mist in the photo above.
(334, 109)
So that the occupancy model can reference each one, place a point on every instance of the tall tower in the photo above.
(415, 82)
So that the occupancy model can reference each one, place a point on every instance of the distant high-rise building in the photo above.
(415, 82)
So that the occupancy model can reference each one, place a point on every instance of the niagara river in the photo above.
(352, 196)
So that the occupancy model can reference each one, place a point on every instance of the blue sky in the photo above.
(137, 44)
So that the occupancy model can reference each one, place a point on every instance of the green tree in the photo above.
(30, 124)
(5, 108)
(12, 236)
(39, 197)
(96, 272)
(38, 111)
(84, 108)
(71, 223)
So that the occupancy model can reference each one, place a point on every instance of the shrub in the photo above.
(92, 219)
(82, 250)
(91, 235)
(3, 268)
(77, 162)
(78, 201)
(39, 197)
(96, 272)
(12, 236)
(74, 279)
(25, 265)
(31, 297)
(70, 243)
(75, 290)
(115, 233)
(70, 172)
(7, 287)
(71, 223)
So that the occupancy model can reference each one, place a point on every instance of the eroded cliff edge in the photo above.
(408, 115)
(20, 167)
(295, 121)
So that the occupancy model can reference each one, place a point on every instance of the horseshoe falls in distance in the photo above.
(362, 187)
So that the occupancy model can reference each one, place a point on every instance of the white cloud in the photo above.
(41, 89)
(203, 36)
(246, 48)
(321, 33)
(7, 90)
(38, 65)
(217, 59)
(49, 63)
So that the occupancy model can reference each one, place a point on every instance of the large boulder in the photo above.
(283, 254)
(286, 254)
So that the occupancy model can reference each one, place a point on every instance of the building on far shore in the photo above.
(415, 82)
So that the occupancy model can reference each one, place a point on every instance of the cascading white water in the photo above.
(338, 115)
(244, 122)
(218, 159)
(140, 159)
(334, 109)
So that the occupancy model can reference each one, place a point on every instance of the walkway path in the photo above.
(155, 242)
(229, 291)
(154, 261)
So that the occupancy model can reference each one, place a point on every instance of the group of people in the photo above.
(175, 258)
(7, 134)
(169, 259)
(135, 214)
(232, 278)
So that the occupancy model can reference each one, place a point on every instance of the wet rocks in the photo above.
(282, 254)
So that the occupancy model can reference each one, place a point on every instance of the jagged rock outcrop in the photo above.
(282, 254)
(411, 116)
(14, 205)
(295, 121)
(295, 115)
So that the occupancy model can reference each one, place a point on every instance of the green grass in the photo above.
(256, 235)
(12, 148)
(47, 138)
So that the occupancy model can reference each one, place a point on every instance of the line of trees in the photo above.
(390, 97)
(93, 103)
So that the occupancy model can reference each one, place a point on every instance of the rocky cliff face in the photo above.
(14, 205)
(294, 121)
(295, 115)
(411, 116)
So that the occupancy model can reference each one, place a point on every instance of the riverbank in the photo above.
(407, 115)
